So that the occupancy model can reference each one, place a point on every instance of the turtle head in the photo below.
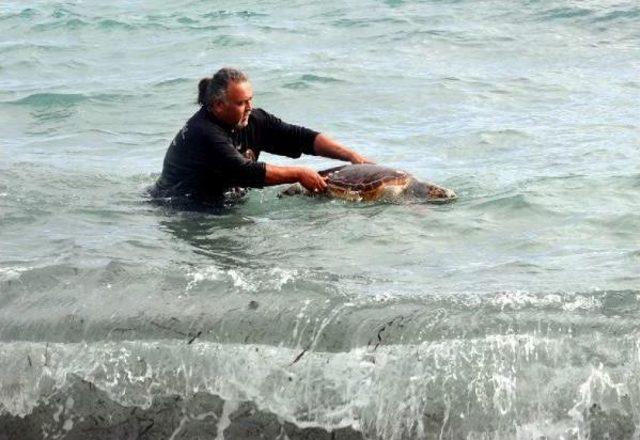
(431, 193)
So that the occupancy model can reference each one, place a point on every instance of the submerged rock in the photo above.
(83, 412)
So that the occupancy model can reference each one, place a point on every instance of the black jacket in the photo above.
(207, 157)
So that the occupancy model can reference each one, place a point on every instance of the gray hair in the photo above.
(215, 88)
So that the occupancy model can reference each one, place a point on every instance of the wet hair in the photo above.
(215, 88)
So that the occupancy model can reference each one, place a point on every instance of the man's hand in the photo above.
(311, 180)
(357, 158)
(324, 146)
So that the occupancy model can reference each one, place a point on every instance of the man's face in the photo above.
(236, 108)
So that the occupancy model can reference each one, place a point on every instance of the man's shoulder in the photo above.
(259, 114)
(201, 125)
(262, 118)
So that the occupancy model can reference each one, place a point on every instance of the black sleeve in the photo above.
(278, 137)
(226, 164)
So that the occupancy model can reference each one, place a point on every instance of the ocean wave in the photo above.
(621, 225)
(19, 47)
(246, 280)
(27, 13)
(241, 14)
(517, 300)
(509, 201)
(504, 136)
(598, 14)
(51, 99)
(461, 387)
(111, 24)
(563, 13)
(66, 100)
(172, 81)
(366, 22)
(320, 79)
(61, 24)
(309, 80)
(116, 97)
(290, 309)
(297, 85)
(62, 12)
(12, 272)
(50, 180)
(282, 29)
(619, 15)
(228, 40)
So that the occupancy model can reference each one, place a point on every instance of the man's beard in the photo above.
(243, 122)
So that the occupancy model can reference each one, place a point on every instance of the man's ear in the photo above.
(215, 106)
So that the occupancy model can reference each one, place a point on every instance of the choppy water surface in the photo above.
(510, 314)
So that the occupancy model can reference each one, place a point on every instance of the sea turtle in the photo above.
(368, 182)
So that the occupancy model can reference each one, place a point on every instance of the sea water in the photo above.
(512, 313)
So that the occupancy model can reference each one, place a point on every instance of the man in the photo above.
(217, 150)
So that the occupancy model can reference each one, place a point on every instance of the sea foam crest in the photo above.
(569, 302)
(12, 273)
(244, 279)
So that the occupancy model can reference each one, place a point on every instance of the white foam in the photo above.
(568, 302)
(240, 281)
(228, 408)
(209, 273)
(599, 388)
(243, 279)
(582, 303)
(12, 273)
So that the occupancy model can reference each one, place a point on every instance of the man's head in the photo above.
(227, 95)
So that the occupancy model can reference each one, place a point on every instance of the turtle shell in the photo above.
(365, 181)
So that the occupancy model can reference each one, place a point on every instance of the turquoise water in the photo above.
(511, 313)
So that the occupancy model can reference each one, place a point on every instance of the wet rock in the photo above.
(249, 423)
(609, 425)
(346, 434)
(296, 433)
(81, 411)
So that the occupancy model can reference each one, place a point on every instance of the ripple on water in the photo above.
(369, 21)
(70, 24)
(115, 25)
(228, 40)
(27, 13)
(510, 201)
(51, 99)
(172, 82)
(242, 14)
(564, 13)
(618, 15)
(310, 80)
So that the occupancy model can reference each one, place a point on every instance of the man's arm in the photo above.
(324, 146)
(278, 137)
(307, 177)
